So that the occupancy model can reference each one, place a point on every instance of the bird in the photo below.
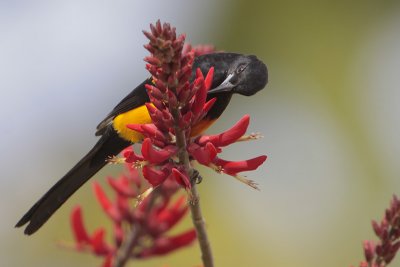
(233, 74)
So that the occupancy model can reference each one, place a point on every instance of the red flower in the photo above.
(229, 136)
(154, 175)
(234, 167)
(156, 156)
(95, 243)
(79, 230)
(182, 178)
(154, 218)
(167, 244)
(109, 208)
(122, 186)
(203, 154)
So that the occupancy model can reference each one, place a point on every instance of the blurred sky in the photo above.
(330, 117)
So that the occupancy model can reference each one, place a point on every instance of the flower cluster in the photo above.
(176, 107)
(179, 103)
(148, 218)
(380, 254)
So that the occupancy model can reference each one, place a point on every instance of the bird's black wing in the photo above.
(138, 96)
(134, 99)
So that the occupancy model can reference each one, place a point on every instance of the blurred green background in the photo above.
(330, 117)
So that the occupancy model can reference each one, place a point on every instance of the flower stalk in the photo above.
(382, 253)
(163, 35)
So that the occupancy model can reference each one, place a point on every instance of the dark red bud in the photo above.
(149, 36)
(184, 93)
(369, 250)
(149, 48)
(172, 101)
(154, 91)
(152, 60)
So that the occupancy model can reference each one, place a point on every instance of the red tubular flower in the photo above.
(181, 178)
(78, 229)
(155, 156)
(205, 155)
(229, 136)
(167, 218)
(155, 218)
(154, 176)
(95, 242)
(234, 167)
(121, 185)
(106, 204)
(98, 243)
(131, 157)
(165, 245)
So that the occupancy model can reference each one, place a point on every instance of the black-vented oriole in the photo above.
(233, 73)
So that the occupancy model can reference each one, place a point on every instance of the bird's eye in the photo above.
(240, 68)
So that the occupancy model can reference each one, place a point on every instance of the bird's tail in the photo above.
(108, 145)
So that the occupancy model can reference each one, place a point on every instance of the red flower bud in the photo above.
(152, 60)
(172, 100)
(369, 250)
(153, 91)
(184, 92)
(149, 36)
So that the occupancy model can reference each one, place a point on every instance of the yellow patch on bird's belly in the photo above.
(138, 115)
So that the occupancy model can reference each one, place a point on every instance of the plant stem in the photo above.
(197, 217)
(199, 224)
(125, 251)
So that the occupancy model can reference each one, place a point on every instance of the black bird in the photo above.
(233, 73)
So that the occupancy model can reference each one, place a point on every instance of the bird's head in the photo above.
(245, 75)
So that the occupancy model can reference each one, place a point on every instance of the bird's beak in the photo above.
(225, 86)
